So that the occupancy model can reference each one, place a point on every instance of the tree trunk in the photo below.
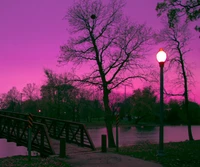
(108, 120)
(186, 96)
(188, 118)
(108, 113)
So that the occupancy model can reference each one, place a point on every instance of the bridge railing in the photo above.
(74, 132)
(16, 130)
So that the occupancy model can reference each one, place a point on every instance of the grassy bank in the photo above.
(180, 154)
(22, 161)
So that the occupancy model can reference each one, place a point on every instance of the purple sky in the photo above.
(32, 31)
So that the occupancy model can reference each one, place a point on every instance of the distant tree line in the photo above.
(59, 98)
(143, 108)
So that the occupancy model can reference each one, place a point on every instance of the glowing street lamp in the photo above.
(161, 57)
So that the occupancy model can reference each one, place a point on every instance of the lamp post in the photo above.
(161, 57)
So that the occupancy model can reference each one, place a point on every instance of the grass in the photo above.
(22, 161)
(180, 154)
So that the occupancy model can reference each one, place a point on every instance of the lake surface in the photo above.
(8, 149)
(133, 135)
(127, 136)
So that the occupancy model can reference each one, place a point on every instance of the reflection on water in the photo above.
(10, 149)
(125, 129)
(145, 128)
(135, 135)
(127, 135)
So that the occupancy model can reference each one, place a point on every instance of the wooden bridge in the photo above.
(45, 132)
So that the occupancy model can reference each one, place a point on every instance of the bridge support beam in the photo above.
(62, 147)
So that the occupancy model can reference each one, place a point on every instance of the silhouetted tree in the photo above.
(173, 113)
(176, 41)
(11, 100)
(109, 43)
(98, 109)
(115, 99)
(59, 94)
(144, 105)
(30, 94)
(31, 91)
(194, 111)
(30, 106)
(3, 104)
(84, 104)
(176, 9)
(126, 108)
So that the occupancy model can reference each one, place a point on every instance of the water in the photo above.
(8, 149)
(127, 136)
(133, 135)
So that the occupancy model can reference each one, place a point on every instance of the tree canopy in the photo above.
(107, 41)
(176, 9)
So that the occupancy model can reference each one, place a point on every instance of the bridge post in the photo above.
(62, 147)
(67, 131)
(54, 128)
(17, 132)
(103, 143)
(29, 144)
(8, 130)
(30, 125)
(42, 143)
(82, 137)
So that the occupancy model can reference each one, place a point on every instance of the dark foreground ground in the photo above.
(181, 154)
(22, 161)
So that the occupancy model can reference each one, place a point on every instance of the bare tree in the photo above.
(176, 40)
(3, 103)
(31, 91)
(11, 99)
(57, 91)
(107, 41)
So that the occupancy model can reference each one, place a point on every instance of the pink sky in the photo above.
(31, 33)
